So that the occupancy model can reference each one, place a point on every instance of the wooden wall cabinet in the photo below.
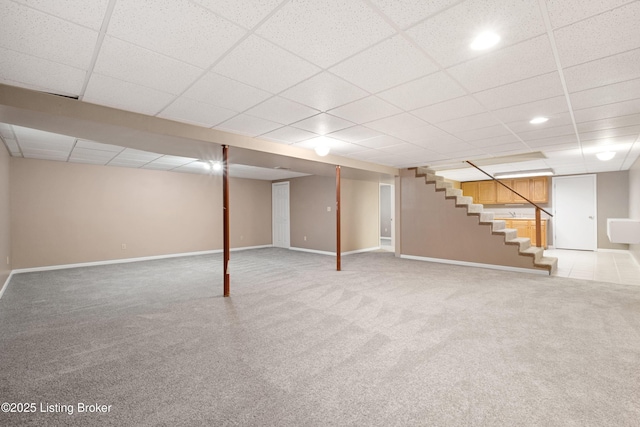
(491, 193)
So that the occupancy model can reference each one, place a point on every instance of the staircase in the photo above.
(498, 227)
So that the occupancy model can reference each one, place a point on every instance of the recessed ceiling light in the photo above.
(485, 40)
(538, 120)
(322, 150)
(216, 166)
(606, 155)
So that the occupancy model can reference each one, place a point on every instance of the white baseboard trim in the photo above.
(476, 264)
(127, 260)
(313, 251)
(6, 284)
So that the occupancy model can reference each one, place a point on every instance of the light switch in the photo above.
(328, 208)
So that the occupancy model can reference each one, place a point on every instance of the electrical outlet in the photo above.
(124, 246)
(328, 208)
(305, 238)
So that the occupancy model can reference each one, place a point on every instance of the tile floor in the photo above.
(613, 266)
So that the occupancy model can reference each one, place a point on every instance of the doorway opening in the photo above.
(280, 215)
(387, 209)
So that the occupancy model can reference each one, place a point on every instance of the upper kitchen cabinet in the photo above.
(490, 192)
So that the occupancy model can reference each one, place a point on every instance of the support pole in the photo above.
(338, 267)
(225, 217)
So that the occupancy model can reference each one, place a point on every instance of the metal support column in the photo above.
(338, 218)
(225, 217)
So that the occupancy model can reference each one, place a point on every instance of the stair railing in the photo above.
(538, 208)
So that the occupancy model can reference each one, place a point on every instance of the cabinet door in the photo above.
(543, 233)
(487, 192)
(522, 226)
(470, 189)
(522, 187)
(540, 189)
(503, 195)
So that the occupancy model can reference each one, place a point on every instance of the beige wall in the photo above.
(613, 202)
(5, 234)
(634, 201)
(65, 213)
(433, 227)
(310, 196)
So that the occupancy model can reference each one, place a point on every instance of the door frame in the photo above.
(273, 214)
(392, 207)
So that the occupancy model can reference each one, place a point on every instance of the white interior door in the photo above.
(387, 212)
(574, 218)
(280, 214)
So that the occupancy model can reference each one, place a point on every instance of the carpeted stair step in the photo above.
(497, 224)
(486, 217)
(475, 208)
(510, 234)
(464, 200)
(442, 185)
(523, 243)
(535, 251)
(548, 262)
(453, 192)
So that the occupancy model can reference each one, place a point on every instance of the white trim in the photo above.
(476, 264)
(313, 251)
(127, 260)
(6, 284)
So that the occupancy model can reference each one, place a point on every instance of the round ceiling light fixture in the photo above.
(606, 155)
(322, 150)
(485, 40)
(538, 120)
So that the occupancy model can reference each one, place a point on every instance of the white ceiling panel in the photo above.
(264, 65)
(98, 157)
(447, 35)
(427, 90)
(86, 13)
(380, 142)
(477, 121)
(144, 67)
(606, 34)
(325, 32)
(525, 112)
(405, 13)
(224, 92)
(547, 132)
(389, 63)
(26, 30)
(12, 145)
(506, 65)
(498, 140)
(289, 135)
(37, 138)
(612, 122)
(254, 172)
(562, 12)
(355, 134)
(422, 136)
(27, 71)
(630, 132)
(609, 110)
(450, 147)
(605, 71)
(610, 94)
(36, 153)
(524, 91)
(394, 124)
(91, 145)
(176, 28)
(484, 133)
(448, 110)
(323, 124)
(248, 125)
(560, 119)
(282, 110)
(246, 13)
(324, 92)
(116, 93)
(366, 110)
(196, 112)
(131, 154)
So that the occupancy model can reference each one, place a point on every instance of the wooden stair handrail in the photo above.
(538, 208)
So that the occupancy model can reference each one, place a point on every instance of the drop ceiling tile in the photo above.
(289, 135)
(609, 94)
(116, 93)
(484, 133)
(98, 157)
(398, 123)
(606, 34)
(91, 145)
(609, 134)
(408, 12)
(127, 163)
(22, 70)
(560, 142)
(522, 92)
(624, 108)
(424, 134)
(86, 13)
(549, 132)
(477, 121)
(176, 28)
(12, 145)
(246, 13)
(264, 65)
(525, 112)
(505, 149)
(225, 92)
(282, 110)
(380, 142)
(365, 110)
(144, 67)
(447, 35)
(511, 64)
(325, 32)
(387, 64)
(497, 140)
(323, 124)
(45, 154)
(26, 30)
(560, 119)
(609, 123)
(355, 134)
(448, 110)
(196, 112)
(131, 154)
(605, 71)
(33, 138)
(324, 92)
(336, 146)
(404, 149)
(158, 166)
(427, 90)
(562, 12)
(449, 147)
(248, 125)
(172, 160)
